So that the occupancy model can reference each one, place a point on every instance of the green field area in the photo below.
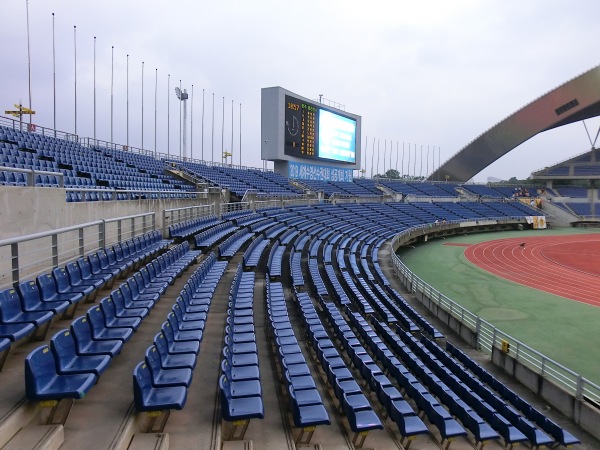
(564, 330)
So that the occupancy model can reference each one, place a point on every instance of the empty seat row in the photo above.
(240, 388)
(308, 410)
(355, 405)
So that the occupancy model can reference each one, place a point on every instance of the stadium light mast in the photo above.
(182, 95)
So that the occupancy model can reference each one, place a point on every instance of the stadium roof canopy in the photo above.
(575, 100)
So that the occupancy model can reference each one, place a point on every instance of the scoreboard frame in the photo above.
(281, 130)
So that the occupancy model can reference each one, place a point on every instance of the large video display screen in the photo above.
(312, 131)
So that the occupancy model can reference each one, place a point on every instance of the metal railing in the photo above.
(178, 215)
(26, 257)
(488, 336)
(20, 125)
(30, 179)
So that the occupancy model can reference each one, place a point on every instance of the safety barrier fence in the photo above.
(26, 257)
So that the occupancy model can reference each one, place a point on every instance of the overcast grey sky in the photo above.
(428, 73)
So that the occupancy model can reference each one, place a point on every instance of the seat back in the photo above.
(30, 294)
(167, 331)
(133, 287)
(118, 300)
(108, 308)
(142, 384)
(74, 273)
(103, 259)
(10, 304)
(47, 287)
(63, 346)
(118, 252)
(153, 359)
(84, 268)
(40, 369)
(111, 256)
(62, 279)
(139, 280)
(96, 319)
(145, 273)
(81, 331)
(94, 261)
(125, 291)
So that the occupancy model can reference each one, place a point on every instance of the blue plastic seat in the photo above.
(164, 377)
(69, 362)
(239, 360)
(238, 408)
(149, 398)
(86, 345)
(100, 331)
(183, 334)
(63, 284)
(240, 373)
(112, 319)
(131, 309)
(85, 267)
(31, 299)
(11, 312)
(175, 360)
(147, 299)
(49, 290)
(43, 382)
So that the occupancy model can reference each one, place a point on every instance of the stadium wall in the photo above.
(29, 210)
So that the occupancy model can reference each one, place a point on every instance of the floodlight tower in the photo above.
(183, 96)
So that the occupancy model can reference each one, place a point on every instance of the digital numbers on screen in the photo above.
(314, 132)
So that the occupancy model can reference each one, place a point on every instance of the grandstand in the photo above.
(154, 301)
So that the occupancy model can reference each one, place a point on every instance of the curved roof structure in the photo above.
(575, 100)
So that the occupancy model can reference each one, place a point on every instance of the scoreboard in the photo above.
(313, 131)
(298, 132)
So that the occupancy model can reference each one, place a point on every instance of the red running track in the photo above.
(568, 266)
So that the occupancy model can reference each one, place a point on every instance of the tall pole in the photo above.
(169, 115)
(415, 163)
(54, 72)
(155, 106)
(384, 153)
(192, 126)
(427, 171)
(391, 148)
(240, 134)
(94, 89)
(212, 135)
(184, 101)
(372, 158)
(378, 142)
(180, 106)
(202, 133)
(231, 149)
(408, 162)
(421, 169)
(142, 104)
(223, 131)
(75, 54)
(29, 62)
(112, 84)
(127, 101)
(439, 161)
(397, 156)
(402, 174)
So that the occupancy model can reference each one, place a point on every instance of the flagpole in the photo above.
(202, 143)
(54, 72)
(155, 106)
(212, 135)
(127, 96)
(231, 149)
(112, 84)
(240, 134)
(169, 116)
(223, 131)
(180, 105)
(29, 65)
(94, 90)
(192, 126)
(142, 105)
(75, 53)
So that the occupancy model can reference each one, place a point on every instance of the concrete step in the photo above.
(37, 437)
